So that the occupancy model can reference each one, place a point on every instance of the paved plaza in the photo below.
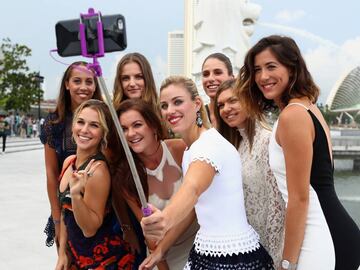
(24, 210)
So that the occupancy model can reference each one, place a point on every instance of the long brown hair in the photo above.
(288, 54)
(231, 133)
(63, 105)
(123, 180)
(149, 94)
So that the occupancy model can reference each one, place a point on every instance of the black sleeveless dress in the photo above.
(344, 231)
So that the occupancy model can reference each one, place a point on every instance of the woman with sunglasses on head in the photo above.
(87, 237)
(319, 233)
(265, 208)
(161, 160)
(212, 184)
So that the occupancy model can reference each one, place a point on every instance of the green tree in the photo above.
(18, 86)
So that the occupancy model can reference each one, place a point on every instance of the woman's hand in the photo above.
(152, 260)
(62, 262)
(154, 226)
(79, 179)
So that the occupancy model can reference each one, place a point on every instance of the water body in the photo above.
(347, 185)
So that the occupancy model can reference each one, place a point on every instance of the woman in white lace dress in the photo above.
(162, 161)
(265, 208)
(212, 184)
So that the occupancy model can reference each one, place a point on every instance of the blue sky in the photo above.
(327, 33)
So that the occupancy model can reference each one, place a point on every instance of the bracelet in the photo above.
(56, 221)
(125, 227)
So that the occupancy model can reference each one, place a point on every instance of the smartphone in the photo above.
(68, 38)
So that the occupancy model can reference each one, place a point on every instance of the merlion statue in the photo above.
(222, 26)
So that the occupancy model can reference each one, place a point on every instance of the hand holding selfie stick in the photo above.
(96, 66)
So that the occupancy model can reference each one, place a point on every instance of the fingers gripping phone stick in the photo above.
(145, 209)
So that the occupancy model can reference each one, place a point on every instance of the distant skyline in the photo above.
(328, 34)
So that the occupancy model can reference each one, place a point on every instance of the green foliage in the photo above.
(329, 116)
(18, 86)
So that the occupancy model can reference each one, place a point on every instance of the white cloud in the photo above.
(286, 16)
(327, 65)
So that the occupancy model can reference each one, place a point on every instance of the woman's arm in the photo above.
(295, 134)
(52, 183)
(89, 208)
(197, 179)
(62, 262)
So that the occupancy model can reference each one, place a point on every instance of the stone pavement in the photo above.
(24, 210)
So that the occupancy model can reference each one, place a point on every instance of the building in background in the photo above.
(345, 95)
(211, 26)
(175, 64)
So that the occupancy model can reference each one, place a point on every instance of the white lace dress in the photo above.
(164, 181)
(264, 205)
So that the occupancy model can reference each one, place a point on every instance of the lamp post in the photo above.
(39, 79)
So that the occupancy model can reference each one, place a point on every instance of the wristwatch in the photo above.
(285, 264)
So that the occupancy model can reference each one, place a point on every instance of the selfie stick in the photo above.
(96, 66)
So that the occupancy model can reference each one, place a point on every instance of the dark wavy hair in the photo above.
(288, 54)
(123, 181)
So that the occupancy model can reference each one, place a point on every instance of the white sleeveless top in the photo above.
(220, 209)
(317, 250)
(168, 174)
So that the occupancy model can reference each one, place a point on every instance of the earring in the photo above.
(199, 121)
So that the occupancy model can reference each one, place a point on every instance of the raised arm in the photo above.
(295, 134)
(89, 195)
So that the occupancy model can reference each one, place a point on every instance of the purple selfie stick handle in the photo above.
(146, 211)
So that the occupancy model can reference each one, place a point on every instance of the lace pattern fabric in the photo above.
(58, 136)
(222, 245)
(258, 259)
(208, 161)
(264, 205)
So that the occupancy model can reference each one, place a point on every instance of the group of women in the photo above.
(225, 192)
